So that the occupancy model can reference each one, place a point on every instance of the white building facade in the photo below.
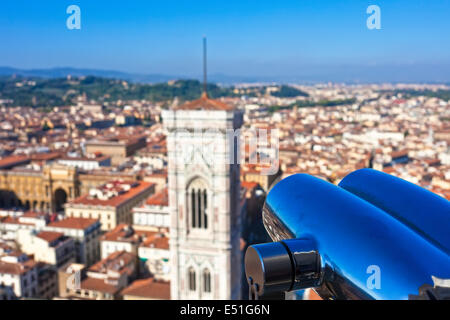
(18, 277)
(203, 200)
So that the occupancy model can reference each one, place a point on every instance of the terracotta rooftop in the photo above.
(249, 185)
(125, 233)
(74, 223)
(98, 285)
(160, 198)
(16, 268)
(149, 288)
(14, 220)
(114, 201)
(12, 161)
(117, 261)
(157, 240)
(205, 103)
(45, 156)
(122, 233)
(398, 154)
(49, 236)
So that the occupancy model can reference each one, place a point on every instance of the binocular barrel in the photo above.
(422, 210)
(335, 240)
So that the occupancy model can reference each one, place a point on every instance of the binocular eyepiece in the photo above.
(281, 266)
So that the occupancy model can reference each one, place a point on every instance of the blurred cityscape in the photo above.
(124, 177)
(94, 205)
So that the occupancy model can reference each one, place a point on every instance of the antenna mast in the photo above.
(205, 94)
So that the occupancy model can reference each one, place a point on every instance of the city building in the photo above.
(105, 279)
(11, 224)
(45, 190)
(85, 232)
(53, 248)
(87, 163)
(154, 256)
(50, 187)
(47, 287)
(118, 148)
(154, 155)
(18, 276)
(111, 203)
(154, 214)
(152, 249)
(121, 238)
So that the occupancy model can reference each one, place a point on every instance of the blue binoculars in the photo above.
(374, 236)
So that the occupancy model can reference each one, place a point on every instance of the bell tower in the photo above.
(204, 199)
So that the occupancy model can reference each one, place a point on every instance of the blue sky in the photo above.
(280, 37)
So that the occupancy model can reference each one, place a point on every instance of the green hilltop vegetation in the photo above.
(37, 92)
(40, 92)
(51, 92)
(289, 92)
(310, 103)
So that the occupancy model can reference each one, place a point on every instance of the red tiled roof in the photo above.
(117, 259)
(204, 103)
(45, 156)
(16, 268)
(157, 240)
(98, 285)
(49, 236)
(13, 160)
(74, 223)
(160, 198)
(389, 170)
(14, 220)
(248, 185)
(398, 154)
(121, 232)
(116, 200)
(125, 233)
(149, 288)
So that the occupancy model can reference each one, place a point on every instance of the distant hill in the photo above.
(50, 92)
(309, 74)
(75, 72)
(63, 72)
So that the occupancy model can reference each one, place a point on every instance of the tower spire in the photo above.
(205, 93)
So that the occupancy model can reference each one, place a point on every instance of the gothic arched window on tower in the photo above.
(205, 202)
(198, 204)
(191, 279)
(206, 281)
(193, 208)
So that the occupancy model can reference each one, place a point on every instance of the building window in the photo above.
(206, 281)
(193, 209)
(198, 204)
(191, 278)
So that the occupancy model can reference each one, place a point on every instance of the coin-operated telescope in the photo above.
(374, 236)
